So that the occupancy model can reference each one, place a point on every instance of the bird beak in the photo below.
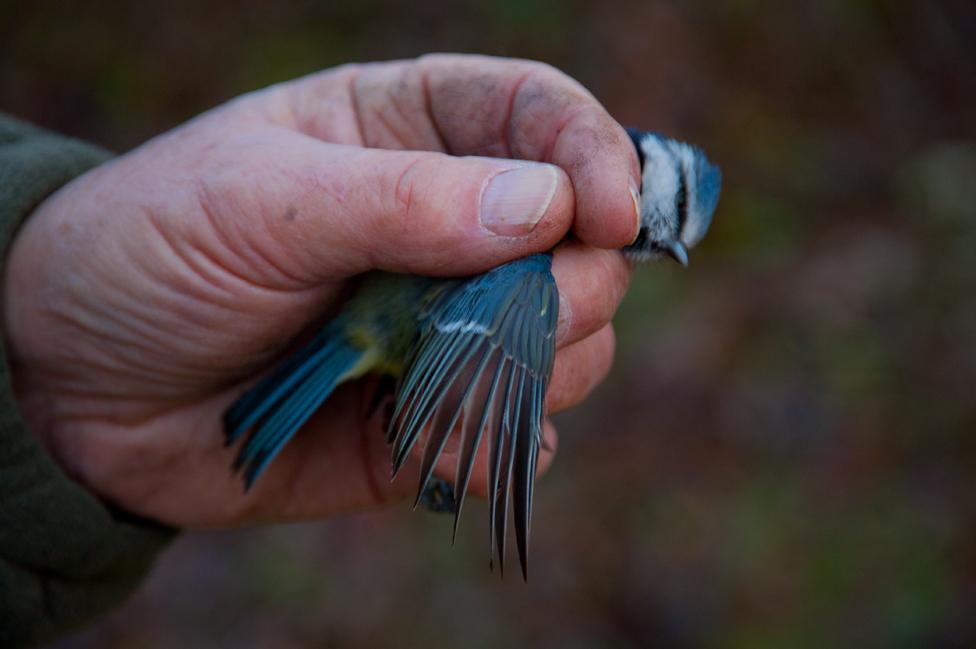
(677, 252)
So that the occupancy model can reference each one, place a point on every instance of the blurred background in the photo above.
(784, 455)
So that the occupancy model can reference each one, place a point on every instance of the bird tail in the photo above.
(275, 408)
(483, 360)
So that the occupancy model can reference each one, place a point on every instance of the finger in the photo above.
(579, 368)
(379, 105)
(317, 210)
(591, 282)
(479, 105)
(530, 110)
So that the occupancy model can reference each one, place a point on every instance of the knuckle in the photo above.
(403, 187)
(401, 190)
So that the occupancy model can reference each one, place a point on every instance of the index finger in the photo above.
(523, 109)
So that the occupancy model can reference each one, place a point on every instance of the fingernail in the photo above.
(514, 200)
(635, 197)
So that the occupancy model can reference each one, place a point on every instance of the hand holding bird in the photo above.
(475, 354)
(143, 297)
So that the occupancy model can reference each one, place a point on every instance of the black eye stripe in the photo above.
(682, 198)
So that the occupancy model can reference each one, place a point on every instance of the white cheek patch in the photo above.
(694, 231)
(659, 185)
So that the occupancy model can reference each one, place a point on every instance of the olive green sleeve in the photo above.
(65, 557)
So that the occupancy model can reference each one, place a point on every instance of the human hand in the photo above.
(142, 297)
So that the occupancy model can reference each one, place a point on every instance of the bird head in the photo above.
(679, 192)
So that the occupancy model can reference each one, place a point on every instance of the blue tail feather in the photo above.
(254, 403)
(280, 404)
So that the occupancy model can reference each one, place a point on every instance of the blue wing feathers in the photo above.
(499, 435)
(478, 417)
(447, 419)
(483, 359)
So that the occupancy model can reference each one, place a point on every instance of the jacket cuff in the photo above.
(65, 557)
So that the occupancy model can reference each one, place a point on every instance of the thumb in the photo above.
(350, 209)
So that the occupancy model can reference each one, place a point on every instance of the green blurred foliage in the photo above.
(784, 453)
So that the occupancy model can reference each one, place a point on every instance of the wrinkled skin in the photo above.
(143, 297)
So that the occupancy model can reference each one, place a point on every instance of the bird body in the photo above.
(371, 335)
(471, 354)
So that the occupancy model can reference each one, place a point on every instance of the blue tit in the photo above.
(475, 354)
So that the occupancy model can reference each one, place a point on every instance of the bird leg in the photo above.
(438, 496)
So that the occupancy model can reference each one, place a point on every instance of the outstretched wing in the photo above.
(484, 358)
